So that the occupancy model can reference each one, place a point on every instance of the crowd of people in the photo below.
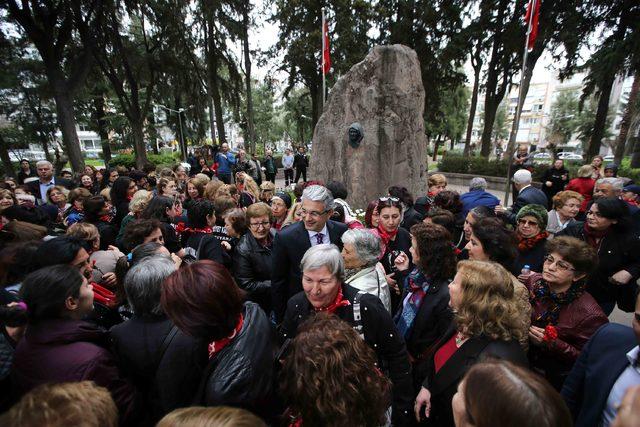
(205, 295)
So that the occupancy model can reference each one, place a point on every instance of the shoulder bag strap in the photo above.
(165, 344)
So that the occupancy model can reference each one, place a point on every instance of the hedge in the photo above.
(129, 160)
(476, 165)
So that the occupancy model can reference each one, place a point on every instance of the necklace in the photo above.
(460, 339)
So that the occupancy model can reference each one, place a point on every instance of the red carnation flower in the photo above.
(550, 333)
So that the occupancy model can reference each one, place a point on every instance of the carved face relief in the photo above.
(356, 135)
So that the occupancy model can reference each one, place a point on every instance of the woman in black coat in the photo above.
(164, 363)
(324, 291)
(204, 302)
(532, 236)
(554, 180)
(478, 331)
(197, 237)
(609, 231)
(252, 256)
(425, 315)
(97, 211)
(121, 193)
(165, 209)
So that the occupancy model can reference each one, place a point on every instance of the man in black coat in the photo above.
(292, 242)
(606, 368)
(301, 162)
(527, 195)
(45, 180)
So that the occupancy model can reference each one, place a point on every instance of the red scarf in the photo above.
(337, 303)
(216, 347)
(386, 236)
(527, 243)
(181, 227)
(593, 237)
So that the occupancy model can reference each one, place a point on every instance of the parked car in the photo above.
(567, 155)
(609, 158)
(542, 157)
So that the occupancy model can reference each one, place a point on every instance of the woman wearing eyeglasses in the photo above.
(252, 257)
(395, 241)
(563, 315)
(532, 234)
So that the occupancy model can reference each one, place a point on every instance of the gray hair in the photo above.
(318, 193)
(478, 183)
(365, 243)
(143, 282)
(522, 176)
(319, 256)
(43, 163)
(616, 183)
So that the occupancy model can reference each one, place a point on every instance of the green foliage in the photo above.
(129, 160)
(477, 165)
(563, 120)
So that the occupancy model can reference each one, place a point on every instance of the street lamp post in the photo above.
(183, 145)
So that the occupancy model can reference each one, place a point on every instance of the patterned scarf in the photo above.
(216, 347)
(525, 244)
(541, 292)
(417, 285)
(336, 304)
(593, 237)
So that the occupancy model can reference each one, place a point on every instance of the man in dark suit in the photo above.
(292, 242)
(527, 195)
(45, 180)
(606, 368)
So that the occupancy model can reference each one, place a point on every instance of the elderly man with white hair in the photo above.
(292, 242)
(324, 290)
(527, 195)
(478, 196)
(360, 252)
(46, 180)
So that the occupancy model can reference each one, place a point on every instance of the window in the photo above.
(537, 107)
(91, 144)
(84, 128)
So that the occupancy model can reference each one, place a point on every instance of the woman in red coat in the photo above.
(583, 184)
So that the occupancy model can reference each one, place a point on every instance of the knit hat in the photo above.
(284, 197)
(539, 212)
(632, 189)
(612, 166)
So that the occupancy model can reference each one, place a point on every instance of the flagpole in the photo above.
(516, 118)
(324, 91)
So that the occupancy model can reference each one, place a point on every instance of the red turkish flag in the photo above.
(325, 52)
(534, 22)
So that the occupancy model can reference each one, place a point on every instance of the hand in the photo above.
(548, 183)
(422, 399)
(536, 335)
(523, 277)
(622, 277)
(393, 284)
(629, 408)
(109, 280)
(226, 245)
(565, 177)
(402, 262)
(499, 210)
(176, 260)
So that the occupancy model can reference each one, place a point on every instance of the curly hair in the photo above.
(199, 184)
(330, 376)
(574, 251)
(561, 198)
(435, 248)
(488, 306)
(136, 231)
(449, 200)
(211, 188)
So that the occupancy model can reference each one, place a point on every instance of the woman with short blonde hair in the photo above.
(486, 324)
(293, 216)
(211, 189)
(218, 416)
(566, 205)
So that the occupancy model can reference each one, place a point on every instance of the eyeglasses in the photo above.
(312, 214)
(389, 199)
(527, 222)
(256, 225)
(562, 265)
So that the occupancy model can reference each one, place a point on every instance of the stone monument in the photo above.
(381, 97)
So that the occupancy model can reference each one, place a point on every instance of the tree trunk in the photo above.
(139, 146)
(67, 123)
(212, 120)
(251, 136)
(490, 109)
(472, 109)
(601, 118)
(635, 155)
(435, 148)
(626, 120)
(101, 126)
(217, 103)
(6, 160)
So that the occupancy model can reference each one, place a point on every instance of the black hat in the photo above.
(284, 197)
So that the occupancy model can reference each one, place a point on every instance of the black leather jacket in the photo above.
(242, 373)
(252, 270)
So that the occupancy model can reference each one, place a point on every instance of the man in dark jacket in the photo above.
(164, 363)
(293, 241)
(45, 180)
(270, 166)
(606, 368)
(527, 195)
(301, 163)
